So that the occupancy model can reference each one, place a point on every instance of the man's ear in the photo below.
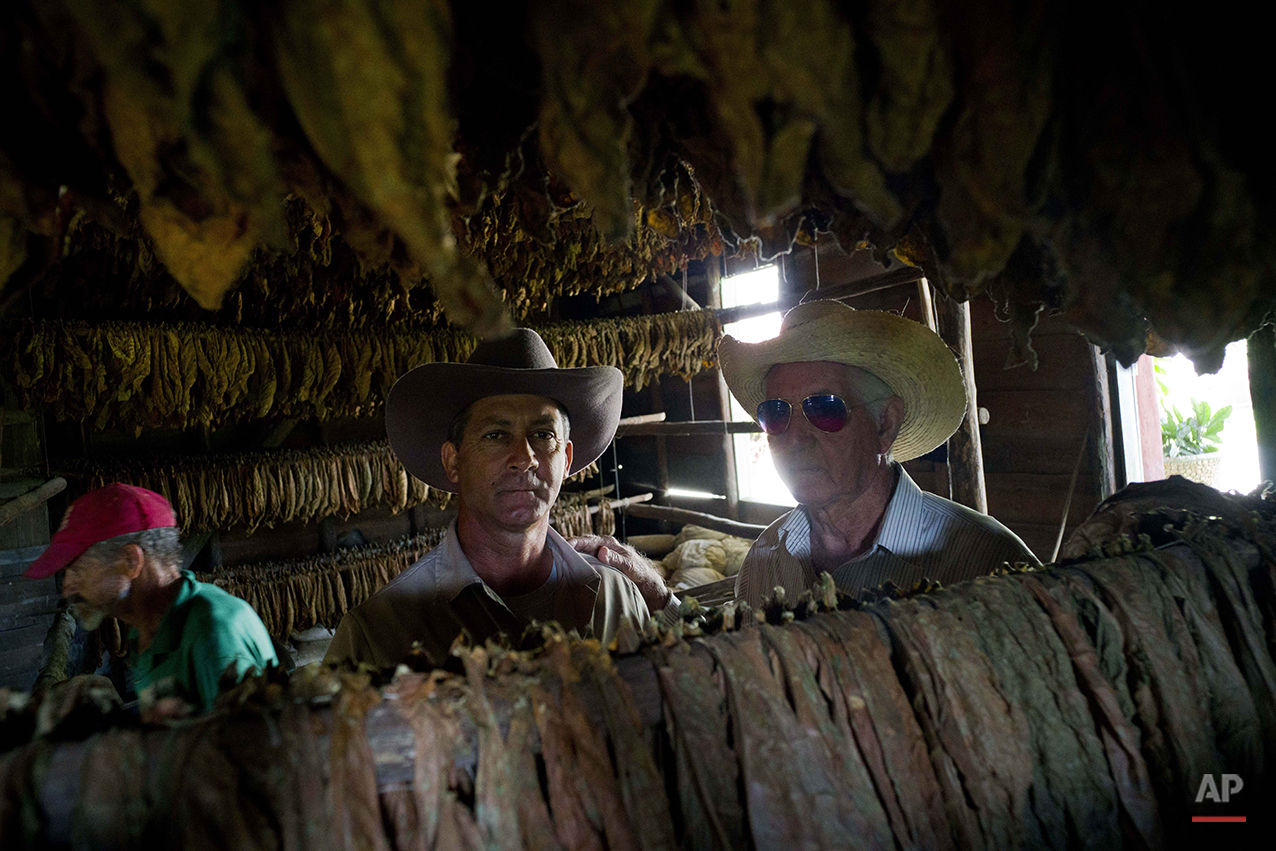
(133, 558)
(567, 450)
(889, 423)
(450, 455)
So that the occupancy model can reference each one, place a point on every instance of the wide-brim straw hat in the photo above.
(910, 358)
(425, 400)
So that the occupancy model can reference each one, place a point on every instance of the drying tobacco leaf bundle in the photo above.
(571, 516)
(311, 278)
(551, 248)
(164, 376)
(963, 655)
(1026, 156)
(298, 594)
(251, 489)
(1032, 707)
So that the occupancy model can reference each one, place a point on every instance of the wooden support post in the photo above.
(730, 482)
(662, 446)
(1262, 392)
(1104, 458)
(926, 304)
(965, 452)
(58, 642)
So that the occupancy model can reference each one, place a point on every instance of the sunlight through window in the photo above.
(756, 478)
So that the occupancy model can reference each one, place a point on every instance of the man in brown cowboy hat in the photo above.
(501, 431)
(844, 395)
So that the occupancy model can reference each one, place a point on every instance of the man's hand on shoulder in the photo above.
(630, 562)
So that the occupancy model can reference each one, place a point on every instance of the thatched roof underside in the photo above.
(393, 160)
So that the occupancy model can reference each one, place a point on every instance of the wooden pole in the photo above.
(613, 504)
(18, 506)
(592, 493)
(688, 303)
(57, 652)
(51, 781)
(698, 518)
(1103, 457)
(388, 731)
(657, 417)
(965, 451)
(662, 446)
(926, 304)
(1262, 392)
(689, 428)
(730, 477)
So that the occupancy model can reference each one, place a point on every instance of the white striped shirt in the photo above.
(922, 536)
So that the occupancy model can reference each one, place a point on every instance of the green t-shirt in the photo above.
(204, 632)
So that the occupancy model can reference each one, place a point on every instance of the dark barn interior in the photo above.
(227, 228)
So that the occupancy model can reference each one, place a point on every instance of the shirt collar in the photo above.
(454, 573)
(893, 535)
(168, 637)
(896, 533)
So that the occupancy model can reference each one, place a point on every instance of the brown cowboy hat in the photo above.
(910, 358)
(425, 400)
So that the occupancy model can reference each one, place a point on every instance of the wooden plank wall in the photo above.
(1036, 423)
(26, 605)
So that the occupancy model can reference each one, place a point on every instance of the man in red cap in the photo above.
(120, 549)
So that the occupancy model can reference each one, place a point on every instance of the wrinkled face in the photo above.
(512, 459)
(820, 467)
(94, 588)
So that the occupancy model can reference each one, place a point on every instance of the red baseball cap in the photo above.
(100, 515)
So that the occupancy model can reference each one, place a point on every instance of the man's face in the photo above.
(512, 459)
(94, 588)
(820, 467)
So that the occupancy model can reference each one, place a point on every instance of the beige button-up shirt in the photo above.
(435, 599)
(922, 536)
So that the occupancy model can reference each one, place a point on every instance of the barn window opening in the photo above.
(1188, 402)
(756, 478)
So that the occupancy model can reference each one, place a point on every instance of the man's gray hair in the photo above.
(163, 546)
(872, 392)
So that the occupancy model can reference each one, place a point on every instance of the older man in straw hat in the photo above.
(501, 431)
(844, 395)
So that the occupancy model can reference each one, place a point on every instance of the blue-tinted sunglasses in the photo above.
(824, 411)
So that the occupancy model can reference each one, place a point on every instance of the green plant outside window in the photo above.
(1196, 433)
